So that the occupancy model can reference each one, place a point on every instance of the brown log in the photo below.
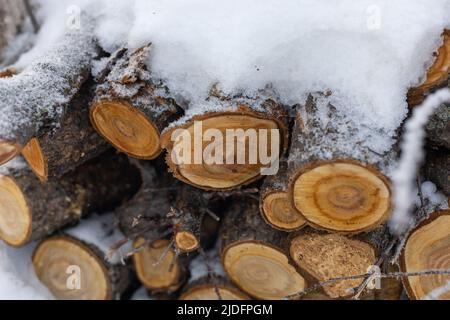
(130, 110)
(437, 75)
(160, 269)
(35, 101)
(323, 256)
(427, 247)
(438, 128)
(30, 210)
(336, 183)
(437, 169)
(254, 255)
(275, 207)
(234, 113)
(61, 261)
(59, 151)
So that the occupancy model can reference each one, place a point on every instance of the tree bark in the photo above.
(222, 168)
(100, 277)
(254, 255)
(275, 207)
(59, 151)
(427, 248)
(35, 101)
(437, 76)
(437, 169)
(130, 109)
(438, 128)
(336, 182)
(31, 210)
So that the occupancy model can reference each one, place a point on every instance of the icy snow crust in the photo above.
(366, 52)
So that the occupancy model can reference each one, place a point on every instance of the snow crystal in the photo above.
(101, 231)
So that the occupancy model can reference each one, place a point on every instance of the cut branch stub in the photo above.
(437, 76)
(35, 101)
(211, 164)
(129, 109)
(427, 247)
(253, 254)
(275, 206)
(59, 151)
(327, 256)
(30, 211)
(158, 267)
(336, 183)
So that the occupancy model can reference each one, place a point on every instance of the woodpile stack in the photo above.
(202, 230)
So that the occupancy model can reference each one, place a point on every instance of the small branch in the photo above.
(30, 13)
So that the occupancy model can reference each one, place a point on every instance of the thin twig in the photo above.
(30, 13)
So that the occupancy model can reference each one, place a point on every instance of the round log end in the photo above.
(8, 151)
(209, 292)
(219, 167)
(34, 156)
(126, 128)
(262, 271)
(342, 196)
(186, 241)
(156, 271)
(15, 215)
(71, 270)
(279, 213)
(327, 256)
(428, 247)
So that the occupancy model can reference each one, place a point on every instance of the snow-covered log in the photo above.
(275, 205)
(77, 265)
(158, 266)
(35, 101)
(12, 15)
(427, 248)
(438, 74)
(208, 280)
(222, 114)
(322, 256)
(30, 210)
(130, 110)
(74, 142)
(254, 255)
(336, 181)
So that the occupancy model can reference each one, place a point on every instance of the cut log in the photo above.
(254, 255)
(12, 15)
(438, 128)
(437, 75)
(215, 164)
(208, 281)
(130, 109)
(275, 206)
(437, 169)
(35, 101)
(61, 150)
(158, 266)
(30, 211)
(75, 266)
(322, 256)
(427, 247)
(336, 183)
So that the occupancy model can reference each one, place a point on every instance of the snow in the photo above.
(404, 176)
(101, 231)
(17, 278)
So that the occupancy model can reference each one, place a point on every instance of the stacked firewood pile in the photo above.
(202, 231)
